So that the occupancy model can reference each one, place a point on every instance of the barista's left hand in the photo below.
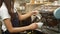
(35, 12)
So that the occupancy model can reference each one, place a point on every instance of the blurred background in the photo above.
(46, 10)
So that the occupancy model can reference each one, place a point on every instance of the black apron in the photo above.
(15, 23)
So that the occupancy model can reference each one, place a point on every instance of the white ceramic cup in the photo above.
(40, 24)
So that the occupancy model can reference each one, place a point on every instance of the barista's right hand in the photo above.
(33, 26)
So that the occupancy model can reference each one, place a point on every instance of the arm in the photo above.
(22, 17)
(14, 29)
(18, 29)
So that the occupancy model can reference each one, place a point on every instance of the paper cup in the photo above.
(40, 24)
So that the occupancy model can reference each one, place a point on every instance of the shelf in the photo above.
(38, 3)
(34, 3)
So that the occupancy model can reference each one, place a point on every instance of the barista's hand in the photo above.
(33, 26)
(35, 12)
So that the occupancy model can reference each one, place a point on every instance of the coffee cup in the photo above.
(40, 24)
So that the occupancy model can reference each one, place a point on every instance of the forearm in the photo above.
(19, 29)
(12, 29)
(22, 17)
(26, 16)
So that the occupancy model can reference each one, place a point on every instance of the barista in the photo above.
(10, 18)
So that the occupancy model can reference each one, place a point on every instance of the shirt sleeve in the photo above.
(4, 12)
